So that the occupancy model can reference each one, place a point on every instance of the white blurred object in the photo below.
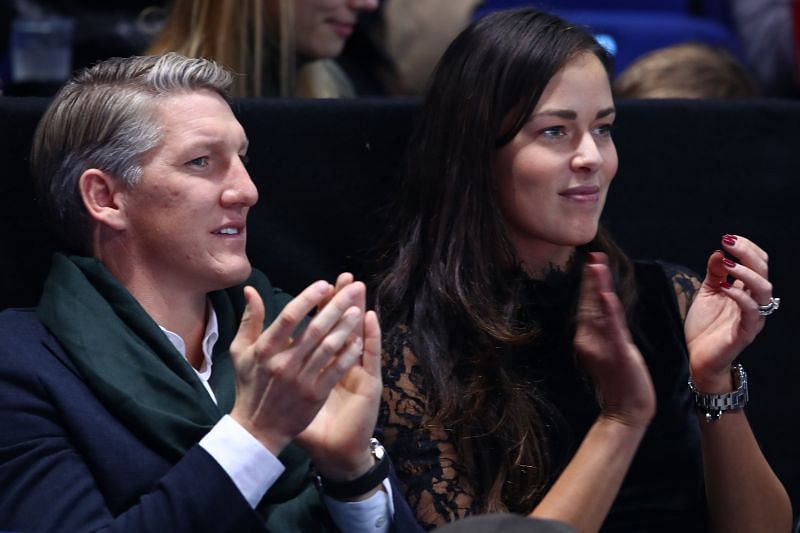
(41, 49)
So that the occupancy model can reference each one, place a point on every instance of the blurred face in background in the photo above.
(322, 26)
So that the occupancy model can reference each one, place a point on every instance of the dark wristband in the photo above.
(373, 477)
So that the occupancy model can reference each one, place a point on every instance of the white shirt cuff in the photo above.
(249, 464)
(373, 515)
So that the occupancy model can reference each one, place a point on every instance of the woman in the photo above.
(281, 47)
(512, 379)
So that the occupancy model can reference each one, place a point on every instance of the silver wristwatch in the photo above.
(713, 405)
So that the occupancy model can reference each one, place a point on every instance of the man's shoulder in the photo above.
(21, 324)
(24, 340)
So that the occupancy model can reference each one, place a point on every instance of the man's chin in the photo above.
(236, 276)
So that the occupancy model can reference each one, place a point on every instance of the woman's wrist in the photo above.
(717, 382)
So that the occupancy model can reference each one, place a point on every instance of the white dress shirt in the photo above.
(254, 469)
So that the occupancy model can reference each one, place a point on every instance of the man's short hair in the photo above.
(106, 117)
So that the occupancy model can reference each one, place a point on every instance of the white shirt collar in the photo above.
(209, 340)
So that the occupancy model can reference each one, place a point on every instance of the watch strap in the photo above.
(713, 405)
(361, 485)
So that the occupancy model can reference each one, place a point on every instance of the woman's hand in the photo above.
(621, 378)
(586, 488)
(723, 318)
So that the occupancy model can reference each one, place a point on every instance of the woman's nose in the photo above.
(363, 5)
(588, 155)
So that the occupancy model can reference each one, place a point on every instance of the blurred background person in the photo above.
(770, 39)
(278, 47)
(686, 70)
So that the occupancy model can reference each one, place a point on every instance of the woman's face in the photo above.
(323, 26)
(553, 176)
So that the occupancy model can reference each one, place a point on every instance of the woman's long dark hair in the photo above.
(453, 276)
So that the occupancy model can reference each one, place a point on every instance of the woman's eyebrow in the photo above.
(566, 114)
(605, 112)
(569, 114)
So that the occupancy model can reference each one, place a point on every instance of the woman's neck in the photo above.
(538, 259)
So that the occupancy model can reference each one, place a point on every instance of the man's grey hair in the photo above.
(106, 117)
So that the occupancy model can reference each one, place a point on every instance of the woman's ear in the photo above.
(101, 198)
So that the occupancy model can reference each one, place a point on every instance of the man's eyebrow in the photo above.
(210, 141)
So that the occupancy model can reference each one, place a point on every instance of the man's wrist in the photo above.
(362, 486)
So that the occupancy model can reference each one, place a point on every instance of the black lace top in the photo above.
(663, 490)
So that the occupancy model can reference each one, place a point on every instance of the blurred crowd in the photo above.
(348, 48)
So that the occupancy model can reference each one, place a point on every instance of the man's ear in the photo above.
(101, 197)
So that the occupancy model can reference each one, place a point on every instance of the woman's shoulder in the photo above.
(683, 281)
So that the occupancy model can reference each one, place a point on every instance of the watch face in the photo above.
(377, 449)
(379, 452)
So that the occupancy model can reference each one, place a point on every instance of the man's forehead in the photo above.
(200, 118)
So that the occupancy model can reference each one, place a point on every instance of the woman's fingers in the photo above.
(747, 252)
(752, 287)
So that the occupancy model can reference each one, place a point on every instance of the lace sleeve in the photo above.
(685, 283)
(435, 482)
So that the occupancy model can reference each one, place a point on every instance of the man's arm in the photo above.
(67, 464)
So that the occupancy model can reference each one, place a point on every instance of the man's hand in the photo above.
(281, 383)
(338, 438)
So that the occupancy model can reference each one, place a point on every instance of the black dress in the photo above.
(663, 490)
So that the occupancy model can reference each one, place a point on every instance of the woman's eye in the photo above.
(604, 130)
(554, 132)
(199, 162)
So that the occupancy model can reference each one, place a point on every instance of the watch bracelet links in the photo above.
(713, 405)
(361, 485)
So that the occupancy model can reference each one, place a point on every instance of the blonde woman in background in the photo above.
(278, 47)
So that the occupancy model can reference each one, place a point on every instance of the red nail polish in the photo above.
(728, 263)
(724, 284)
(729, 241)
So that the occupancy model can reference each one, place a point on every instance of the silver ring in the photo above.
(771, 307)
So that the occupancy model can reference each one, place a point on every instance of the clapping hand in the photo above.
(724, 317)
(281, 382)
(603, 342)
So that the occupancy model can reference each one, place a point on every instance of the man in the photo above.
(114, 391)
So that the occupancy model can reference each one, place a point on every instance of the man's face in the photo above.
(186, 216)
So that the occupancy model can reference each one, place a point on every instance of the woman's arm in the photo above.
(433, 478)
(744, 494)
(585, 490)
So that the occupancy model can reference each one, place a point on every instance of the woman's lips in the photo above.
(582, 194)
(343, 29)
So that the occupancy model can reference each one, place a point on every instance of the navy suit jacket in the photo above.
(67, 464)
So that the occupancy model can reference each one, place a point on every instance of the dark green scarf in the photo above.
(133, 368)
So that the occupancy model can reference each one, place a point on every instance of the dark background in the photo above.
(690, 171)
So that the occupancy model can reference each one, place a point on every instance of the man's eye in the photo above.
(199, 162)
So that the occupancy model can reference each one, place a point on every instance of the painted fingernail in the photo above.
(724, 284)
(730, 241)
(728, 263)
